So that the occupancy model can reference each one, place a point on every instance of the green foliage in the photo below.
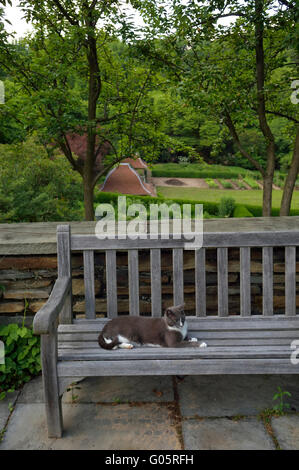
(212, 184)
(226, 207)
(35, 187)
(242, 211)
(282, 406)
(194, 170)
(111, 198)
(251, 182)
(22, 357)
(241, 184)
(226, 184)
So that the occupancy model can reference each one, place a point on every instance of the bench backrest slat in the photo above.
(222, 271)
(156, 285)
(243, 241)
(290, 280)
(245, 287)
(133, 269)
(178, 276)
(88, 258)
(111, 283)
(64, 267)
(267, 280)
(200, 282)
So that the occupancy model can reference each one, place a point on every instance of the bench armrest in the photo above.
(46, 316)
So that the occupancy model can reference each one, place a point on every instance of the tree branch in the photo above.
(228, 121)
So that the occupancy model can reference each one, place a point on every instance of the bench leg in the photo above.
(51, 389)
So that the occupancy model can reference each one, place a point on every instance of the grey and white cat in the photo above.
(129, 331)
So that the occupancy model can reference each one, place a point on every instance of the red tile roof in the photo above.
(136, 163)
(125, 180)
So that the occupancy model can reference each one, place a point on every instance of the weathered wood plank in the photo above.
(111, 283)
(267, 281)
(133, 282)
(50, 382)
(156, 290)
(245, 287)
(200, 282)
(230, 323)
(290, 280)
(232, 342)
(222, 274)
(203, 335)
(140, 354)
(179, 367)
(65, 268)
(210, 239)
(178, 276)
(88, 258)
(46, 317)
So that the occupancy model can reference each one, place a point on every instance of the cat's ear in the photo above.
(169, 312)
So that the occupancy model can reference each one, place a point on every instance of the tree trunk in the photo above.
(290, 180)
(261, 108)
(88, 197)
(94, 89)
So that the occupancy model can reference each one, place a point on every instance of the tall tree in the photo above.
(75, 88)
(230, 71)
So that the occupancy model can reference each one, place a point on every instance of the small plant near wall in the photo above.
(21, 356)
(281, 406)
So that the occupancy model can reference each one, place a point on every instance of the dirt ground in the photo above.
(188, 182)
(197, 183)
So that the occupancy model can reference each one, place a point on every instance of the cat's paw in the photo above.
(203, 345)
(125, 346)
(193, 340)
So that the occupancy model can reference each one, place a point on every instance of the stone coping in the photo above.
(40, 238)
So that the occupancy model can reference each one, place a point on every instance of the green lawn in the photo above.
(251, 197)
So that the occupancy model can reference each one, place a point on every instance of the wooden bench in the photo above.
(242, 344)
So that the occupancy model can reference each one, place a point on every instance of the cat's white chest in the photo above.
(183, 330)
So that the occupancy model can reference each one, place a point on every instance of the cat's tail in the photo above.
(107, 343)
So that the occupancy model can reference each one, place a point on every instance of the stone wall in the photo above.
(26, 282)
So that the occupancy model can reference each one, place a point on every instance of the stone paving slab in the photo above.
(226, 434)
(107, 390)
(286, 430)
(5, 407)
(231, 395)
(91, 426)
(122, 389)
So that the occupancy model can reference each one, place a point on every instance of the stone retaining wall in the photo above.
(26, 283)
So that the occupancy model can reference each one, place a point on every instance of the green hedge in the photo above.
(196, 171)
(210, 207)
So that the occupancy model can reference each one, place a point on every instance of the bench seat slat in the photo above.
(143, 353)
(200, 334)
(178, 367)
(232, 342)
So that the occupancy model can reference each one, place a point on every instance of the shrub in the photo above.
(241, 184)
(242, 211)
(211, 183)
(36, 188)
(253, 184)
(22, 357)
(226, 207)
(226, 184)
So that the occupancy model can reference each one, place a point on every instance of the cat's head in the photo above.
(175, 316)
